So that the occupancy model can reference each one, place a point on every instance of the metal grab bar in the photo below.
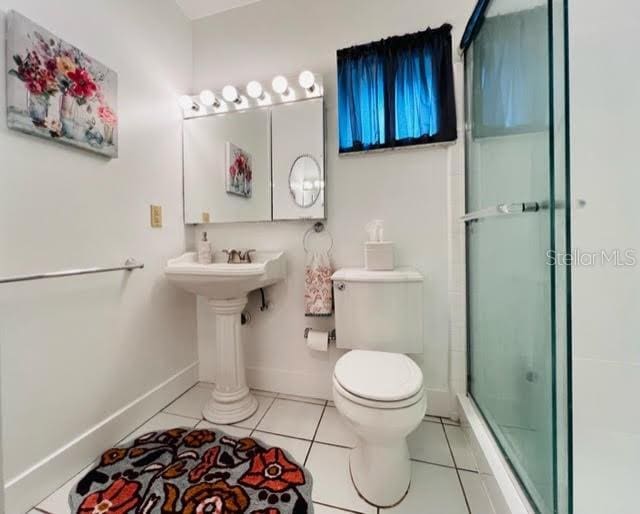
(129, 265)
(503, 209)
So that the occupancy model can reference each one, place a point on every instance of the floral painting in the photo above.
(239, 179)
(57, 92)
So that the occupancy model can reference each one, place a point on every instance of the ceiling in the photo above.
(195, 9)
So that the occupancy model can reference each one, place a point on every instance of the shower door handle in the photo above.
(503, 209)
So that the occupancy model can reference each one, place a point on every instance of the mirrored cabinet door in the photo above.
(227, 168)
(298, 160)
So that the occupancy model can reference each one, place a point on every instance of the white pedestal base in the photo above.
(230, 400)
(222, 413)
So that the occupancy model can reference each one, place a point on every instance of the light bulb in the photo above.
(307, 80)
(230, 94)
(254, 89)
(208, 98)
(187, 103)
(280, 85)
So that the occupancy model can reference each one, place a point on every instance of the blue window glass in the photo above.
(397, 92)
(362, 112)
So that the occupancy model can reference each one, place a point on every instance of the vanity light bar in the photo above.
(231, 95)
(280, 85)
(255, 90)
(307, 80)
(284, 89)
(209, 99)
(188, 104)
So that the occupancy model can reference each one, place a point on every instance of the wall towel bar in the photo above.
(129, 265)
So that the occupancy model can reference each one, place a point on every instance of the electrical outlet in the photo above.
(156, 216)
(206, 217)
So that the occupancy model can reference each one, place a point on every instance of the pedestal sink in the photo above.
(226, 287)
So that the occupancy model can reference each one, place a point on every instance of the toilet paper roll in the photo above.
(318, 340)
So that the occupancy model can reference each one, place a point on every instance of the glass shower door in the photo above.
(512, 228)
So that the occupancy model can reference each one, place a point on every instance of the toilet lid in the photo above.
(379, 376)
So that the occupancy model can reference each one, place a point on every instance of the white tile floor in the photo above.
(445, 478)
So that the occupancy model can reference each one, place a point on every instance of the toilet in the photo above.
(378, 389)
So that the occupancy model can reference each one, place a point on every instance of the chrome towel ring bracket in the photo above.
(317, 228)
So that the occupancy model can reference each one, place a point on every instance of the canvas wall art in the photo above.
(239, 173)
(56, 91)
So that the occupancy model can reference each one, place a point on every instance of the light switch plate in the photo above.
(206, 217)
(156, 216)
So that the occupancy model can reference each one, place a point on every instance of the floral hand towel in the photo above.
(318, 293)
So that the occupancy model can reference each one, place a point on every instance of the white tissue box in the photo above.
(378, 255)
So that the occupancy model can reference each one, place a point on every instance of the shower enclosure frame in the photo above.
(559, 212)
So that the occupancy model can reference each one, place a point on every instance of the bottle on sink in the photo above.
(205, 253)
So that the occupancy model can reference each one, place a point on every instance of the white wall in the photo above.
(77, 350)
(408, 189)
(606, 300)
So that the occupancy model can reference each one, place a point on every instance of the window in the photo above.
(397, 92)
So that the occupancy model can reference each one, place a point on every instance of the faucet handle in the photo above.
(247, 254)
(231, 254)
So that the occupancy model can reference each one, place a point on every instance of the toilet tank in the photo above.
(379, 310)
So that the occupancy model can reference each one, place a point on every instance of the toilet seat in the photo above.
(381, 380)
(358, 400)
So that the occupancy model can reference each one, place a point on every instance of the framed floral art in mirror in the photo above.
(55, 91)
(239, 173)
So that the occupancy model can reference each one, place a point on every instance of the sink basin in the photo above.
(226, 287)
(221, 280)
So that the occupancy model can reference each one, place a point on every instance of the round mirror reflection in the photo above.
(305, 181)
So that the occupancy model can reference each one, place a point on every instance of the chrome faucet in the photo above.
(237, 256)
(233, 256)
(246, 255)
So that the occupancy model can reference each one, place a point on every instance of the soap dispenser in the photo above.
(205, 254)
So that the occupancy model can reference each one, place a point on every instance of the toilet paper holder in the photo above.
(332, 334)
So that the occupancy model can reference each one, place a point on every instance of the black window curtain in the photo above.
(397, 92)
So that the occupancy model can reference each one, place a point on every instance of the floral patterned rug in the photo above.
(189, 471)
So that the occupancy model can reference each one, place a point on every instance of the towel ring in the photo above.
(317, 228)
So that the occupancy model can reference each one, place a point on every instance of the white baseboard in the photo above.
(439, 402)
(317, 385)
(33, 485)
(311, 385)
(501, 485)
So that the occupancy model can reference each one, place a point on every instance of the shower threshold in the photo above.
(498, 479)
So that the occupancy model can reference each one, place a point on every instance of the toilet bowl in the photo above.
(381, 397)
